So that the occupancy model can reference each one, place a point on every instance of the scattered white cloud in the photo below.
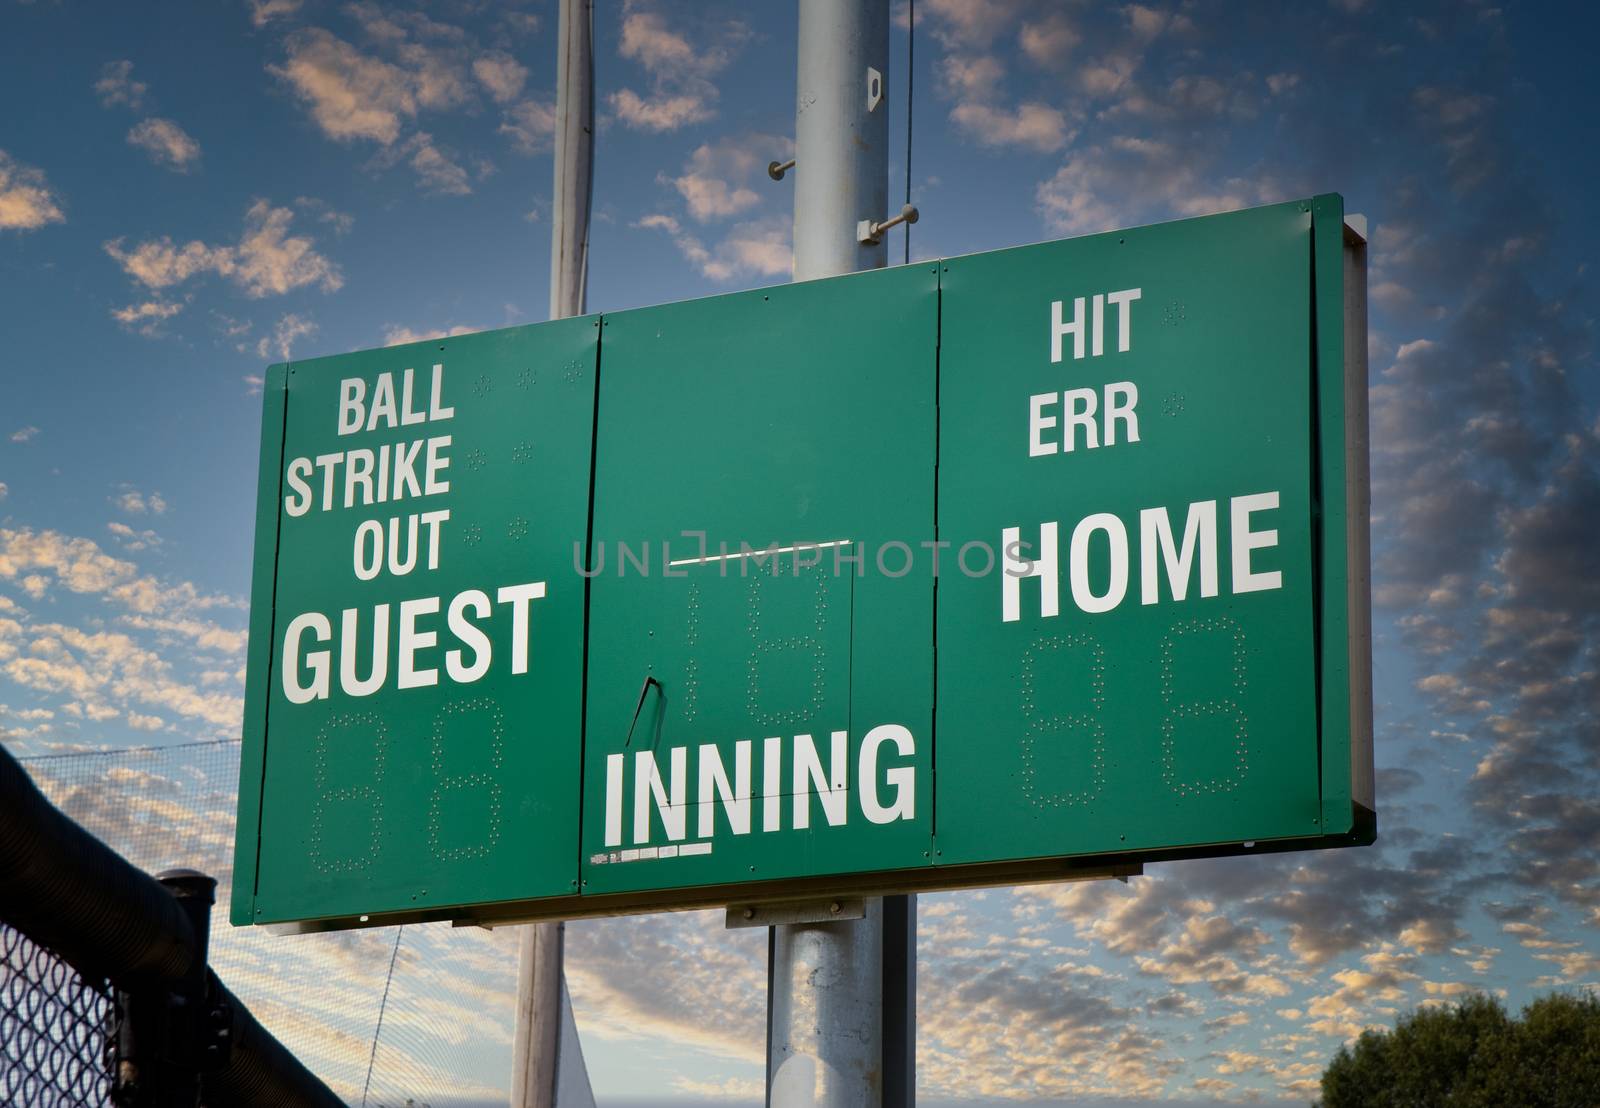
(323, 212)
(147, 317)
(80, 566)
(501, 75)
(1131, 180)
(98, 668)
(5, 490)
(167, 144)
(664, 113)
(351, 95)
(290, 329)
(27, 202)
(202, 634)
(520, 23)
(140, 722)
(1050, 39)
(1033, 125)
(417, 64)
(117, 86)
(530, 125)
(975, 83)
(681, 71)
(968, 23)
(267, 261)
(263, 12)
(760, 248)
(436, 169)
(397, 335)
(1280, 83)
(133, 540)
(24, 434)
(716, 182)
(731, 1088)
(136, 503)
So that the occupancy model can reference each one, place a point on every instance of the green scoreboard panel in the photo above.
(1038, 563)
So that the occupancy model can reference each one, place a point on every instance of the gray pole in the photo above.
(835, 1035)
(841, 147)
(537, 1045)
(574, 160)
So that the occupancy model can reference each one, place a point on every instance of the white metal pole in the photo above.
(826, 1015)
(841, 145)
(537, 1045)
(574, 160)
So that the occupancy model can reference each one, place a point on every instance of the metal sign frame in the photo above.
(1336, 252)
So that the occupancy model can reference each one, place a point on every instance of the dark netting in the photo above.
(52, 1029)
(444, 1037)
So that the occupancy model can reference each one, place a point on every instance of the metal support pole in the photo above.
(536, 1048)
(841, 143)
(574, 160)
(841, 996)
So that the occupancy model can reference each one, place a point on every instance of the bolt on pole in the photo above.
(836, 1036)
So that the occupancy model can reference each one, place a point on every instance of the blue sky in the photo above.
(189, 192)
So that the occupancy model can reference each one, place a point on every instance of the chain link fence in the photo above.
(52, 1029)
(419, 1016)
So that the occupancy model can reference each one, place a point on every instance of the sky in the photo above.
(189, 192)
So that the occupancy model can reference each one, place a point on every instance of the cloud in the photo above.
(117, 86)
(341, 222)
(147, 318)
(263, 12)
(644, 979)
(267, 261)
(134, 502)
(417, 64)
(1032, 125)
(201, 634)
(139, 667)
(166, 143)
(1132, 179)
(1048, 40)
(24, 434)
(501, 75)
(969, 23)
(396, 335)
(732, 1088)
(435, 168)
(27, 202)
(351, 95)
(716, 181)
(975, 82)
(289, 329)
(530, 125)
(105, 667)
(131, 540)
(80, 566)
(681, 70)
(664, 113)
(757, 249)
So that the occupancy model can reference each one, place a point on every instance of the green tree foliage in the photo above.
(1473, 1055)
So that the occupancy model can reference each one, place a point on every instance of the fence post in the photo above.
(164, 1034)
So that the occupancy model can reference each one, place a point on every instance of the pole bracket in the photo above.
(788, 912)
(870, 233)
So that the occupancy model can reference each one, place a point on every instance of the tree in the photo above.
(1473, 1055)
